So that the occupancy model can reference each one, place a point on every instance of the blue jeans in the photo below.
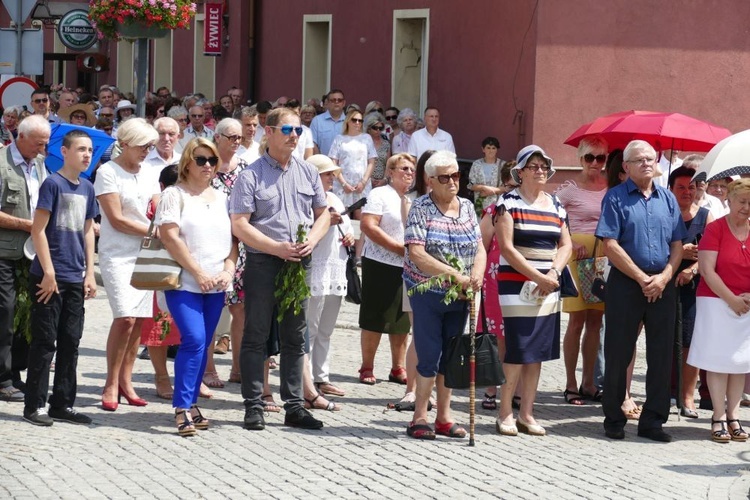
(56, 325)
(196, 315)
(434, 325)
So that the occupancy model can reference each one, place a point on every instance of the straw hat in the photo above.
(323, 164)
(85, 108)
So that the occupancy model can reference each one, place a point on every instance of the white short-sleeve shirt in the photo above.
(385, 202)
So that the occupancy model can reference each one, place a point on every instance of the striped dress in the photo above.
(532, 332)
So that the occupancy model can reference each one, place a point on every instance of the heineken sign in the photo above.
(75, 30)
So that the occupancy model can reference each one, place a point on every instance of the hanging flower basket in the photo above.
(117, 19)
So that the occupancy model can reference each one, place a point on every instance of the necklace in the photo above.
(735, 233)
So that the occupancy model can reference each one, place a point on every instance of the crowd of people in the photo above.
(240, 193)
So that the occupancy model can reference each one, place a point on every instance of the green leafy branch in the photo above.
(445, 280)
(162, 319)
(291, 282)
(22, 314)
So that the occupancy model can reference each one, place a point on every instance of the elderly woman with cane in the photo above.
(443, 248)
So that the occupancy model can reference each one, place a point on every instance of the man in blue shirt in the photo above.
(642, 230)
(325, 127)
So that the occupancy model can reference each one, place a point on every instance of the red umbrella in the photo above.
(661, 130)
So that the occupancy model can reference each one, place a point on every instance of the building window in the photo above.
(316, 55)
(411, 35)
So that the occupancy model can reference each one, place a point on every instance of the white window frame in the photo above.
(412, 14)
(316, 18)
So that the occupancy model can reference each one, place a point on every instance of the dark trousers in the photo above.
(7, 310)
(625, 308)
(260, 302)
(59, 321)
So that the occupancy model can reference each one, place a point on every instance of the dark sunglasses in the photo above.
(589, 158)
(443, 179)
(232, 138)
(357, 120)
(202, 160)
(391, 117)
(287, 129)
(379, 128)
(39, 101)
(336, 100)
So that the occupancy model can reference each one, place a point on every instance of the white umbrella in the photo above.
(731, 156)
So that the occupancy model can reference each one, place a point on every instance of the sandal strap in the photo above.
(186, 421)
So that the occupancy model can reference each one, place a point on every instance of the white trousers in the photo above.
(322, 313)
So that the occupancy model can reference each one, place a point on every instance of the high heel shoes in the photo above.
(131, 401)
(110, 406)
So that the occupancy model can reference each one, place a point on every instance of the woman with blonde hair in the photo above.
(124, 189)
(721, 335)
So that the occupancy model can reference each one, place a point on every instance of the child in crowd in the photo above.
(61, 278)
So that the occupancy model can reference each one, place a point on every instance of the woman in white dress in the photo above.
(124, 190)
(355, 153)
(721, 336)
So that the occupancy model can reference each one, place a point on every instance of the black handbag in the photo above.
(488, 368)
(353, 282)
(567, 284)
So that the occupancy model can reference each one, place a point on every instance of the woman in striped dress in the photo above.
(535, 245)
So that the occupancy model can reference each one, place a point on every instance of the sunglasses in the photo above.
(537, 168)
(181, 120)
(335, 100)
(357, 120)
(409, 170)
(39, 101)
(78, 116)
(287, 129)
(589, 158)
(202, 160)
(391, 117)
(443, 179)
(233, 138)
(379, 128)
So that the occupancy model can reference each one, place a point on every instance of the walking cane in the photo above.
(472, 367)
(678, 354)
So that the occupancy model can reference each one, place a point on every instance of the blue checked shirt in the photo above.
(278, 200)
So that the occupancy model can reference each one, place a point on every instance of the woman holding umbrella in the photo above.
(440, 225)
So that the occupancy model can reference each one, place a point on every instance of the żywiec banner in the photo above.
(212, 29)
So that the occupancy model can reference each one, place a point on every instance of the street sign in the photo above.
(32, 52)
(12, 7)
(16, 92)
(75, 30)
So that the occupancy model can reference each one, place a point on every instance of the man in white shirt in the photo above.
(248, 149)
(668, 161)
(164, 154)
(196, 127)
(430, 137)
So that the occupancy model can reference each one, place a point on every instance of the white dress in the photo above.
(352, 153)
(117, 250)
(328, 266)
(385, 202)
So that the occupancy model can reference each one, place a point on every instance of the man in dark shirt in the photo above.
(642, 230)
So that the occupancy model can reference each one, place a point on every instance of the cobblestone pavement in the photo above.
(363, 451)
